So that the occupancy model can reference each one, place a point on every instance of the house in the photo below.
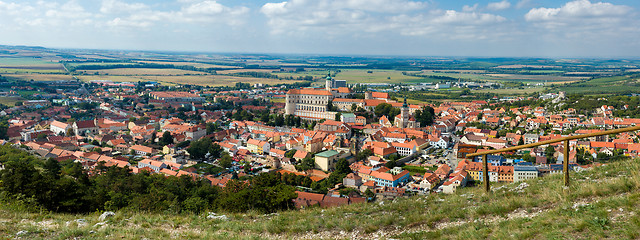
(59, 128)
(429, 181)
(327, 160)
(352, 180)
(258, 147)
(152, 164)
(142, 150)
(300, 154)
(443, 171)
(390, 177)
(459, 179)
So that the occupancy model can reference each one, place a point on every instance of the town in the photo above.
(338, 144)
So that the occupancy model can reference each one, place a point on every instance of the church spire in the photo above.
(405, 103)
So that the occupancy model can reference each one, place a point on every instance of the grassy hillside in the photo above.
(601, 203)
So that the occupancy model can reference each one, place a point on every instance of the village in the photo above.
(342, 146)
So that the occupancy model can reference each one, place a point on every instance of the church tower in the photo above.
(329, 82)
(404, 112)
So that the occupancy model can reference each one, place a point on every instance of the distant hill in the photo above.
(600, 203)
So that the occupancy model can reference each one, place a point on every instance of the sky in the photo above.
(499, 28)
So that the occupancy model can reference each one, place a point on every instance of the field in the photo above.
(10, 101)
(195, 64)
(25, 61)
(142, 72)
(213, 80)
(512, 91)
(38, 76)
(533, 78)
(377, 76)
(617, 84)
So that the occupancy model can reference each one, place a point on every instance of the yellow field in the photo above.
(87, 78)
(278, 100)
(198, 65)
(213, 80)
(142, 71)
(39, 76)
(245, 70)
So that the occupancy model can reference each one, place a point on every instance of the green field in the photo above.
(377, 76)
(23, 61)
(10, 101)
(612, 85)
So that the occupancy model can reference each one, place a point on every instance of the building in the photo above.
(404, 119)
(390, 177)
(83, 128)
(522, 173)
(327, 160)
(258, 147)
(59, 128)
(176, 97)
(309, 103)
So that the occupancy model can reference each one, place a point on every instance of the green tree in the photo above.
(226, 160)
(342, 166)
(166, 138)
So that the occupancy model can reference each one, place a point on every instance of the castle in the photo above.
(312, 103)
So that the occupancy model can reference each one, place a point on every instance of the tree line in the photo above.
(68, 187)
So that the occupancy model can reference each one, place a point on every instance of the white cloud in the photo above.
(115, 6)
(467, 8)
(354, 18)
(579, 9)
(191, 12)
(498, 6)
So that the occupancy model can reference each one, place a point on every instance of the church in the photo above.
(404, 119)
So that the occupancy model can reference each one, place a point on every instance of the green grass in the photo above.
(601, 203)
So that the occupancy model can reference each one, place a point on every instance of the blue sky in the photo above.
(518, 28)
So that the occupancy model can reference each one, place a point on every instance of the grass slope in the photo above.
(601, 203)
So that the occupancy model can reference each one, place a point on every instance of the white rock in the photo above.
(106, 215)
(23, 232)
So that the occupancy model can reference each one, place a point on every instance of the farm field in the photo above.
(26, 61)
(512, 91)
(214, 80)
(10, 101)
(141, 72)
(533, 78)
(195, 64)
(37, 76)
(617, 84)
(247, 70)
(377, 76)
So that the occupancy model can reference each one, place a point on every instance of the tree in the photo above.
(166, 138)
(225, 161)
(549, 151)
(425, 116)
(342, 166)
(198, 149)
(390, 164)
(290, 154)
